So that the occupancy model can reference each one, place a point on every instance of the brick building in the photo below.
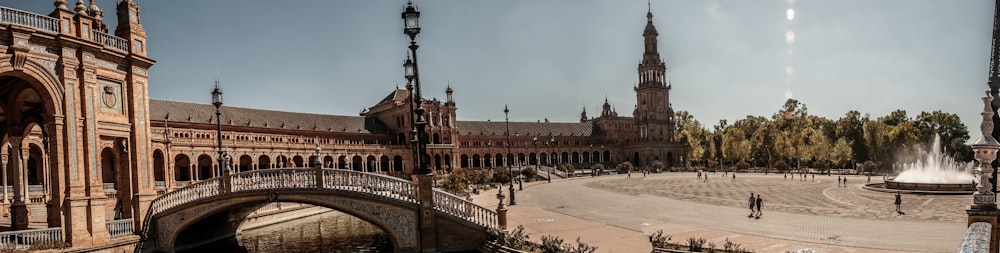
(83, 144)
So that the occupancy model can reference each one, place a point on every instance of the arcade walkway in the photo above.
(616, 214)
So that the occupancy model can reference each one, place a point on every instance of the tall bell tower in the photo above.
(653, 113)
(130, 27)
(993, 80)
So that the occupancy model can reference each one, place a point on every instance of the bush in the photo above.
(529, 173)
(516, 239)
(455, 183)
(625, 166)
(659, 240)
(551, 244)
(744, 166)
(501, 176)
(658, 165)
(582, 247)
(696, 244)
(781, 166)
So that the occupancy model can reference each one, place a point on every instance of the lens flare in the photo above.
(789, 70)
(790, 37)
(790, 14)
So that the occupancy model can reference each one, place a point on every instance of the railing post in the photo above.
(226, 181)
(984, 206)
(425, 199)
(318, 166)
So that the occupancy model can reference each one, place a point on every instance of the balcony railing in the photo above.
(24, 238)
(119, 227)
(40, 22)
(111, 42)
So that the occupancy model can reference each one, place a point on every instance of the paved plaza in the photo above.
(616, 213)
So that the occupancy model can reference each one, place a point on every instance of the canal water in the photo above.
(328, 232)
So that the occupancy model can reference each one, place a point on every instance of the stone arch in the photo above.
(475, 161)
(182, 168)
(204, 169)
(159, 166)
(370, 163)
(489, 160)
(108, 168)
(397, 163)
(357, 163)
(264, 162)
(565, 157)
(245, 164)
(328, 161)
(499, 158)
(383, 163)
(607, 156)
(596, 157)
(297, 161)
(576, 157)
(39, 77)
(342, 162)
(586, 157)
(397, 219)
(464, 161)
(447, 161)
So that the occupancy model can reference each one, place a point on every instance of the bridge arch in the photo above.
(397, 219)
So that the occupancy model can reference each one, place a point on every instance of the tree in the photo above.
(658, 165)
(851, 128)
(625, 166)
(953, 133)
(689, 131)
(841, 152)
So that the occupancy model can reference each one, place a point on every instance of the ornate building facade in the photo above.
(84, 144)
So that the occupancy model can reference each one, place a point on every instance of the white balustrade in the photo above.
(111, 41)
(40, 22)
(28, 237)
(119, 227)
(461, 208)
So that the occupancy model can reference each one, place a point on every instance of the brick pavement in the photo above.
(615, 214)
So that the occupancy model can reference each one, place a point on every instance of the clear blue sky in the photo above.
(725, 58)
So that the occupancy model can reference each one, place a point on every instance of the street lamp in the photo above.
(538, 158)
(510, 170)
(411, 28)
(217, 102)
(552, 162)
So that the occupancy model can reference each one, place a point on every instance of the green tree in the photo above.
(851, 128)
(841, 152)
(953, 133)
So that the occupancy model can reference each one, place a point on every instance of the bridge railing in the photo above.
(454, 205)
(25, 238)
(977, 238)
(200, 190)
(381, 185)
(274, 179)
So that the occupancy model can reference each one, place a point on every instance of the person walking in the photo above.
(751, 203)
(899, 200)
(838, 181)
(845, 182)
(629, 173)
(759, 205)
(734, 177)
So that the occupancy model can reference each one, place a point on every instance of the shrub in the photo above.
(625, 166)
(696, 244)
(529, 173)
(781, 166)
(582, 247)
(551, 244)
(658, 239)
(744, 166)
(658, 165)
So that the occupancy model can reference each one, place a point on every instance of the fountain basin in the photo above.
(922, 188)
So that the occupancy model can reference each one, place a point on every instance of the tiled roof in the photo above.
(526, 128)
(236, 116)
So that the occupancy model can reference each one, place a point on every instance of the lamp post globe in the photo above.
(217, 102)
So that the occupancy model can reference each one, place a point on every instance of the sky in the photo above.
(725, 59)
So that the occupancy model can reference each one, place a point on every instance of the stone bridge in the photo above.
(415, 217)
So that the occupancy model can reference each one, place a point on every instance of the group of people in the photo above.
(842, 181)
(756, 203)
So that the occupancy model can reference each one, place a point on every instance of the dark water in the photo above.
(328, 232)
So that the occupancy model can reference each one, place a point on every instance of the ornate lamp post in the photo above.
(986, 151)
(552, 163)
(217, 102)
(538, 158)
(411, 27)
(506, 119)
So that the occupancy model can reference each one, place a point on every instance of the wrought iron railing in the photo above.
(28, 237)
(461, 208)
(40, 22)
(119, 227)
(111, 41)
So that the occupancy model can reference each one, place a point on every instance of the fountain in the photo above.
(935, 172)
